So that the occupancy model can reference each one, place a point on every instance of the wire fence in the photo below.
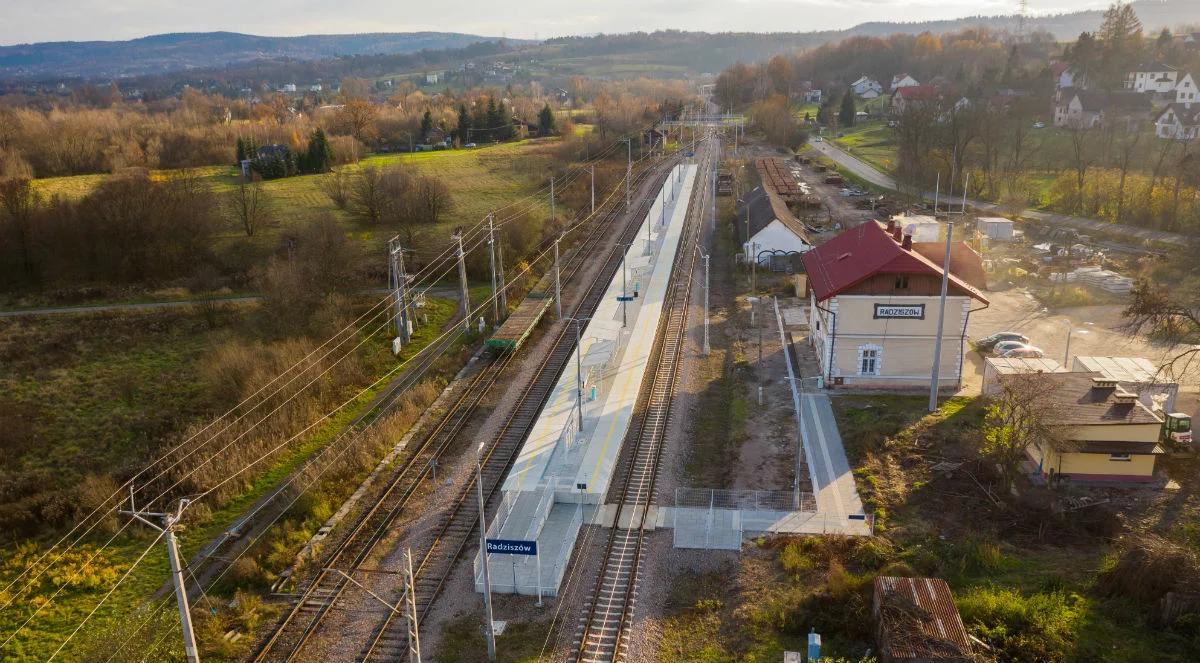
(716, 519)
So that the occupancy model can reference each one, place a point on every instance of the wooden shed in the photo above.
(916, 621)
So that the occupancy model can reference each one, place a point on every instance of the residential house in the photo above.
(653, 137)
(813, 97)
(916, 621)
(315, 87)
(772, 234)
(1067, 77)
(289, 87)
(1089, 109)
(432, 79)
(874, 303)
(1179, 122)
(903, 80)
(1152, 77)
(1186, 90)
(994, 368)
(1104, 433)
(867, 88)
(905, 97)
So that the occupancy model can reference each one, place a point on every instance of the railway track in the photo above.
(389, 641)
(322, 595)
(601, 635)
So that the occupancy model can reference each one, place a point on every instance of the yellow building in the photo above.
(874, 299)
(1107, 434)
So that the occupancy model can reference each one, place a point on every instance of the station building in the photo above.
(873, 307)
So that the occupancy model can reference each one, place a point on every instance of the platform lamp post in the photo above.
(579, 368)
(487, 579)
(624, 286)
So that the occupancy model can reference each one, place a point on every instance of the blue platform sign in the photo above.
(511, 547)
(624, 298)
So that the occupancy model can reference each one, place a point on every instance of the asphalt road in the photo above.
(874, 176)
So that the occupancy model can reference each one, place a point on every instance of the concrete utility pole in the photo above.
(628, 169)
(465, 305)
(492, 247)
(937, 351)
(503, 283)
(557, 284)
(398, 281)
(966, 183)
(593, 171)
(483, 558)
(937, 190)
(170, 522)
(706, 346)
(551, 197)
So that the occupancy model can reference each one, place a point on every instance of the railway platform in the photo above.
(563, 470)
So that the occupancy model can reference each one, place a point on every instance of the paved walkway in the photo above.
(874, 176)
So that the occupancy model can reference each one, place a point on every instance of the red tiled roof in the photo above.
(918, 92)
(863, 251)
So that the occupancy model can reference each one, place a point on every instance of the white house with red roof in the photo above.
(873, 307)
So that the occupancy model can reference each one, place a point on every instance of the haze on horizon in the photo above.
(28, 21)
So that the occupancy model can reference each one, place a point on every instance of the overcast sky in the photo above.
(23, 21)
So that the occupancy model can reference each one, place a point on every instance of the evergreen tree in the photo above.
(241, 151)
(1121, 36)
(846, 112)
(426, 125)
(546, 121)
(464, 124)
(504, 121)
(479, 124)
(319, 158)
(493, 128)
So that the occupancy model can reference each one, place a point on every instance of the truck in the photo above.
(1177, 432)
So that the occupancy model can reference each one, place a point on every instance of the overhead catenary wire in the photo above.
(178, 460)
(384, 300)
(165, 602)
(579, 222)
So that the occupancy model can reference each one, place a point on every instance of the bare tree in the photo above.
(1081, 159)
(368, 196)
(336, 185)
(430, 199)
(18, 202)
(1021, 416)
(249, 205)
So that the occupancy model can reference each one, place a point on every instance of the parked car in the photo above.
(1024, 352)
(1039, 125)
(1004, 346)
(989, 342)
(470, 145)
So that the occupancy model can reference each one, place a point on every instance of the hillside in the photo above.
(182, 51)
(243, 58)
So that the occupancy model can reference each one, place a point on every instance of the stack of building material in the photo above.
(1104, 279)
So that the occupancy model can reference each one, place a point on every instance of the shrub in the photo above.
(1041, 628)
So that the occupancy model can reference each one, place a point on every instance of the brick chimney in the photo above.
(896, 233)
(907, 243)
(891, 226)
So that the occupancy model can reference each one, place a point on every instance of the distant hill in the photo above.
(183, 51)
(662, 53)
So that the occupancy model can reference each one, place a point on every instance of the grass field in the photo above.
(481, 180)
(99, 401)
(871, 142)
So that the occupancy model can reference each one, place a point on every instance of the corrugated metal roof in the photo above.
(1011, 365)
(1123, 369)
(934, 631)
